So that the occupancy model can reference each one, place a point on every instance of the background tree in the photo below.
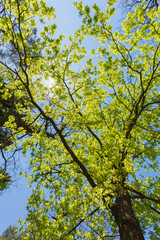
(95, 136)
(131, 4)
(9, 55)
(11, 233)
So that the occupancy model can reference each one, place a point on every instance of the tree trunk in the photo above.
(129, 227)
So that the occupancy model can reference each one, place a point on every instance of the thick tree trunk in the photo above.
(129, 227)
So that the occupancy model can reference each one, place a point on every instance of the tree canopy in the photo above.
(11, 233)
(93, 134)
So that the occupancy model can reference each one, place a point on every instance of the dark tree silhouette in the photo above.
(129, 5)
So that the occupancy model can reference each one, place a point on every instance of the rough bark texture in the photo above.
(126, 220)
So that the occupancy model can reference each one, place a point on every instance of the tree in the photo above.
(11, 233)
(8, 101)
(95, 134)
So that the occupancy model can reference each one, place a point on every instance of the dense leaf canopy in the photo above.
(94, 132)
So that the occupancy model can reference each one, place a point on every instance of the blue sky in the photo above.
(13, 201)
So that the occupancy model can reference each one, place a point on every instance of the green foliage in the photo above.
(95, 131)
(11, 233)
(5, 179)
(8, 102)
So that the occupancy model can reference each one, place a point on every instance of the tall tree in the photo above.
(9, 55)
(11, 233)
(94, 139)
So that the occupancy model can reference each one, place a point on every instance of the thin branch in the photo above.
(155, 210)
(82, 220)
(71, 97)
(5, 160)
(141, 195)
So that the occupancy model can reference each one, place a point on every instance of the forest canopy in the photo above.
(92, 135)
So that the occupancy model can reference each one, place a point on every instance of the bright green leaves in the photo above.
(92, 124)
(45, 11)
(93, 15)
(5, 179)
(50, 29)
(110, 3)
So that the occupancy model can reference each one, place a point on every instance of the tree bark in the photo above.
(129, 227)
